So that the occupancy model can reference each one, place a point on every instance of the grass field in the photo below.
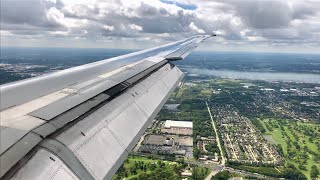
(136, 166)
(299, 142)
(132, 160)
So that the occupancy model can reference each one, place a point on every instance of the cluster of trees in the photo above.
(196, 152)
(292, 172)
(157, 170)
(157, 174)
(279, 149)
(199, 173)
(257, 123)
(212, 148)
(223, 175)
(138, 167)
(133, 170)
(253, 164)
(314, 172)
(289, 172)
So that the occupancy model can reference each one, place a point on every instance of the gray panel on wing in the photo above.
(9, 136)
(44, 165)
(54, 109)
(132, 71)
(17, 151)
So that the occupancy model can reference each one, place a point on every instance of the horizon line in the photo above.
(134, 50)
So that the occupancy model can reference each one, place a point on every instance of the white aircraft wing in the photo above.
(82, 122)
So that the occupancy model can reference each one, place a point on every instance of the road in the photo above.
(138, 145)
(217, 168)
(234, 153)
(223, 159)
(249, 147)
(212, 166)
(213, 173)
(245, 173)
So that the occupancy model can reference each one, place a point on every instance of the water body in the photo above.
(172, 107)
(270, 139)
(266, 76)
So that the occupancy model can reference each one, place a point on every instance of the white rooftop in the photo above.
(181, 124)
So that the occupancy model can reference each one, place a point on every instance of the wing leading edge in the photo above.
(81, 123)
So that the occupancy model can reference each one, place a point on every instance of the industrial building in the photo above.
(162, 140)
(167, 144)
(178, 124)
(177, 127)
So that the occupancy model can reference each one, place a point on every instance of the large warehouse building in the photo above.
(177, 127)
(178, 124)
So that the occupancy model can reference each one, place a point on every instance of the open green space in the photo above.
(298, 141)
(138, 167)
(225, 175)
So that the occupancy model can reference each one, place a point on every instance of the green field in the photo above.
(138, 167)
(131, 167)
(299, 141)
(225, 175)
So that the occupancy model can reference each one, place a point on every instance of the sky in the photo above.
(241, 25)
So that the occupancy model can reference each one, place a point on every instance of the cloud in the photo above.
(195, 28)
(263, 14)
(238, 22)
(31, 15)
(109, 28)
(135, 27)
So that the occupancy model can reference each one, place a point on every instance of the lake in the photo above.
(266, 76)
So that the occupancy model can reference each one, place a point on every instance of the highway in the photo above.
(245, 173)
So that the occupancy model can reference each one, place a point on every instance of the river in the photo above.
(266, 76)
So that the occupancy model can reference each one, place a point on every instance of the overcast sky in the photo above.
(242, 25)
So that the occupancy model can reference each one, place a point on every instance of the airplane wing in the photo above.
(82, 122)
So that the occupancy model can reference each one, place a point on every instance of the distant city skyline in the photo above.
(241, 25)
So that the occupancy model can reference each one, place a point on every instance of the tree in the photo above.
(302, 167)
(223, 175)
(121, 169)
(314, 171)
(143, 176)
(133, 171)
(153, 166)
(196, 153)
(293, 173)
